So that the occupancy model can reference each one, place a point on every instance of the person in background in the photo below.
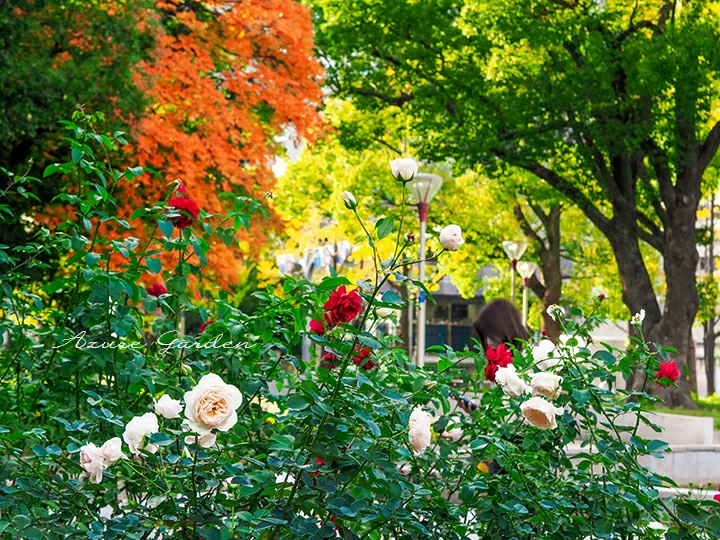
(498, 322)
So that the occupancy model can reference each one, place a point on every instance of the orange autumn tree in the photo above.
(224, 81)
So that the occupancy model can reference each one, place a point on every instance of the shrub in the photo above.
(357, 442)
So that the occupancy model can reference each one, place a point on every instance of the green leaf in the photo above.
(161, 439)
(77, 155)
(39, 450)
(384, 227)
(138, 212)
(297, 402)
(581, 396)
(50, 169)
(92, 259)
(154, 265)
(605, 356)
(166, 227)
(391, 297)
(330, 284)
(20, 522)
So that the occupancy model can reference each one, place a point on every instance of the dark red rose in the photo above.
(188, 209)
(497, 358)
(362, 358)
(204, 325)
(668, 370)
(156, 289)
(342, 306)
(601, 296)
(181, 188)
(544, 332)
(317, 327)
(491, 371)
(329, 361)
(500, 356)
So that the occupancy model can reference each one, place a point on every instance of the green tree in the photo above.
(612, 104)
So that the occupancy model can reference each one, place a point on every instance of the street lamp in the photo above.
(526, 271)
(514, 251)
(423, 187)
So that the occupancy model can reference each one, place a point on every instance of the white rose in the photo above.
(139, 428)
(212, 404)
(507, 379)
(106, 512)
(403, 168)
(454, 434)
(540, 413)
(546, 384)
(93, 462)
(112, 450)
(545, 355)
(349, 200)
(168, 407)
(451, 237)
(205, 441)
(555, 311)
(574, 349)
(419, 430)
(638, 318)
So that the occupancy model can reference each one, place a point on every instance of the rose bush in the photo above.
(355, 443)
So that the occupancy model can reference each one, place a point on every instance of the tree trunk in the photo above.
(682, 301)
(553, 273)
(692, 364)
(709, 350)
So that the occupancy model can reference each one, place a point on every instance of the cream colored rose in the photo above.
(205, 441)
(138, 430)
(168, 407)
(211, 405)
(419, 430)
(111, 450)
(507, 379)
(546, 384)
(451, 237)
(92, 461)
(403, 168)
(540, 413)
(545, 355)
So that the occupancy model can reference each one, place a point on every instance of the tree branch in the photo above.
(398, 101)
(566, 188)
(527, 228)
(708, 149)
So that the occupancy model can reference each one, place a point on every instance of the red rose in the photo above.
(204, 325)
(544, 332)
(497, 358)
(500, 356)
(490, 371)
(329, 361)
(342, 306)
(668, 370)
(363, 359)
(317, 327)
(181, 188)
(156, 289)
(601, 296)
(189, 211)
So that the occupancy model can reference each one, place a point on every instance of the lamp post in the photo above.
(514, 250)
(526, 271)
(423, 187)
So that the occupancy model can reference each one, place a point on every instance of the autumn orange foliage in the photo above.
(220, 88)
